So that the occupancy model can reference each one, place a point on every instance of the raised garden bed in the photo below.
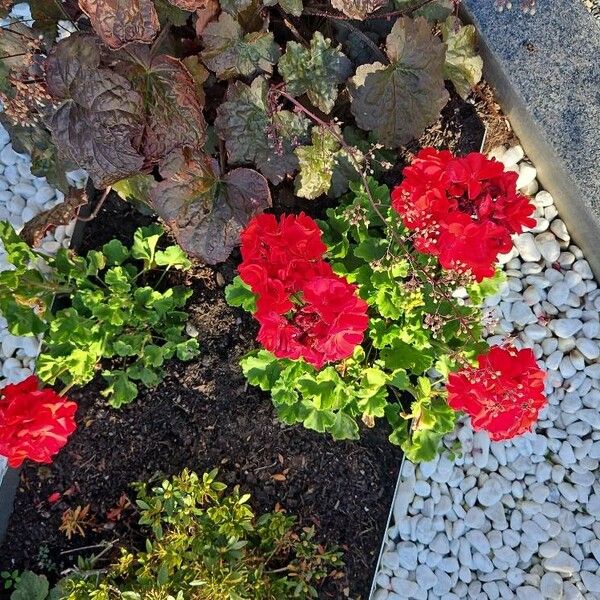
(73, 518)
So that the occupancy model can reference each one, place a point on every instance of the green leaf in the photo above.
(437, 10)
(423, 445)
(229, 53)
(404, 356)
(239, 294)
(153, 356)
(253, 133)
(118, 280)
(116, 253)
(293, 7)
(319, 420)
(262, 369)
(463, 66)
(344, 427)
(145, 240)
(317, 164)
(30, 587)
(371, 249)
(172, 256)
(135, 189)
(121, 389)
(148, 377)
(315, 71)
(399, 379)
(187, 349)
(398, 101)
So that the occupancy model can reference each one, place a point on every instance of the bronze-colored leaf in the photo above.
(121, 22)
(206, 12)
(172, 105)
(62, 214)
(205, 212)
(99, 114)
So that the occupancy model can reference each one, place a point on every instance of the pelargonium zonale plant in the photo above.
(376, 311)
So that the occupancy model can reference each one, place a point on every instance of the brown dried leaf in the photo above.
(33, 232)
(121, 22)
(278, 477)
(207, 213)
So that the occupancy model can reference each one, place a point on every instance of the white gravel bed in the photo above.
(22, 197)
(517, 519)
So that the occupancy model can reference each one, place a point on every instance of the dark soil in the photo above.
(204, 416)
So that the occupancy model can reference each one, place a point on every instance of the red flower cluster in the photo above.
(503, 396)
(34, 424)
(304, 309)
(463, 210)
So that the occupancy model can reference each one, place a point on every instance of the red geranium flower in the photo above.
(34, 424)
(326, 323)
(463, 209)
(278, 258)
(504, 395)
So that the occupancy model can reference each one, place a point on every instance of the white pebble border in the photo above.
(517, 519)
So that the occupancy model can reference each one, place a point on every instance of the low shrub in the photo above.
(209, 545)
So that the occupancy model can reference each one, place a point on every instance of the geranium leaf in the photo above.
(318, 165)
(293, 7)
(358, 9)
(315, 71)
(99, 114)
(239, 294)
(207, 213)
(262, 369)
(173, 109)
(398, 101)
(229, 52)
(121, 389)
(121, 22)
(252, 135)
(463, 65)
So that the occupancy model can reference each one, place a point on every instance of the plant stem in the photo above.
(98, 206)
